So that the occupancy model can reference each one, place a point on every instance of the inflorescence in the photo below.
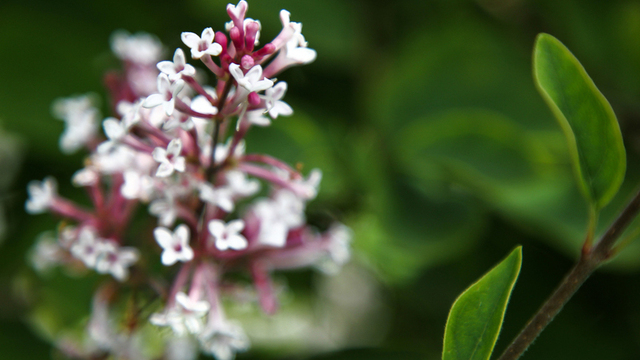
(177, 146)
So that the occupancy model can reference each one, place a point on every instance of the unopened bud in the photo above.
(247, 62)
(254, 98)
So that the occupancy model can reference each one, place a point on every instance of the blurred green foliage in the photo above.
(435, 146)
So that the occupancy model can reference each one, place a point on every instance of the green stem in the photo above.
(588, 263)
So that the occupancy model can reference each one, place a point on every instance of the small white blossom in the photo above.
(114, 128)
(202, 45)
(138, 48)
(308, 188)
(113, 159)
(175, 245)
(81, 121)
(116, 260)
(223, 340)
(295, 27)
(137, 186)
(130, 112)
(272, 98)
(220, 197)
(41, 195)
(78, 134)
(227, 236)
(338, 248)
(222, 150)
(46, 253)
(87, 247)
(292, 46)
(167, 94)
(178, 67)
(184, 317)
(165, 208)
(296, 53)
(202, 105)
(256, 117)
(237, 12)
(252, 80)
(85, 177)
(277, 216)
(240, 185)
(169, 158)
(69, 109)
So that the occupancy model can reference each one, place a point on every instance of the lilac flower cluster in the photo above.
(177, 145)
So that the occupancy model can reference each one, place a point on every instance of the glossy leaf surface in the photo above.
(586, 118)
(476, 316)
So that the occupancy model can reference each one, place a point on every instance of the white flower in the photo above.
(81, 121)
(338, 247)
(222, 150)
(114, 128)
(167, 94)
(252, 80)
(184, 317)
(165, 209)
(139, 48)
(169, 158)
(308, 188)
(79, 133)
(294, 51)
(228, 236)
(223, 340)
(220, 197)
(69, 109)
(178, 67)
(202, 45)
(46, 253)
(116, 260)
(290, 29)
(85, 177)
(41, 195)
(239, 185)
(176, 246)
(277, 216)
(113, 159)
(237, 12)
(130, 112)
(202, 105)
(137, 186)
(87, 247)
(272, 98)
(256, 117)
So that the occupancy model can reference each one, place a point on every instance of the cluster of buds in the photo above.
(178, 146)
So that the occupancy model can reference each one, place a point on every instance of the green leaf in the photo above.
(476, 316)
(586, 118)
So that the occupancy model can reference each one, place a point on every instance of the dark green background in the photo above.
(435, 146)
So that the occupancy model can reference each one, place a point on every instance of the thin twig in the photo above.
(588, 263)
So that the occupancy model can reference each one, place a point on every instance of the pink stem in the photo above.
(269, 176)
(197, 87)
(67, 209)
(179, 282)
(180, 105)
(264, 286)
(266, 159)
